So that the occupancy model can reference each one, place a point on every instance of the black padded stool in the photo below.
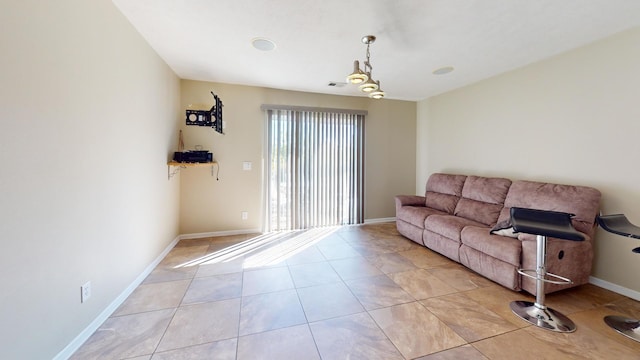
(542, 224)
(620, 225)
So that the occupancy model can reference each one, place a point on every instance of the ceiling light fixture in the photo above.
(363, 78)
(377, 93)
(443, 70)
(263, 44)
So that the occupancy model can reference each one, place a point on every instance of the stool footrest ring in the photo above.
(529, 272)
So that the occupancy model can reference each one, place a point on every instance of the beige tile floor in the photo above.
(357, 292)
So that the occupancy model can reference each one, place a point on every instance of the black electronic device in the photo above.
(193, 156)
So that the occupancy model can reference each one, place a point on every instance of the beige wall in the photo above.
(571, 119)
(208, 205)
(87, 121)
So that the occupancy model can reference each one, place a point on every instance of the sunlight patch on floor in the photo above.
(265, 249)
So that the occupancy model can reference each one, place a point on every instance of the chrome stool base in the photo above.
(542, 224)
(619, 224)
(625, 326)
(545, 318)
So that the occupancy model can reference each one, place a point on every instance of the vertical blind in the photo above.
(315, 169)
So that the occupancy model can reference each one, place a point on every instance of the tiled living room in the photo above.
(111, 250)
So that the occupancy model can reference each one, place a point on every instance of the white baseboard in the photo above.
(379, 220)
(615, 288)
(219, 233)
(104, 315)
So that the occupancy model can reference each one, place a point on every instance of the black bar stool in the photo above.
(620, 225)
(543, 223)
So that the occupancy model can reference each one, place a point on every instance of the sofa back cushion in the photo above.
(582, 201)
(443, 191)
(482, 199)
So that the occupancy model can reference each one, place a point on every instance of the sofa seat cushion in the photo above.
(448, 226)
(502, 248)
(416, 215)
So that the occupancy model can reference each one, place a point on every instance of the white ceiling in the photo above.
(318, 40)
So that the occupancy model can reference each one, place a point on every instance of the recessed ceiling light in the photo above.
(263, 44)
(443, 70)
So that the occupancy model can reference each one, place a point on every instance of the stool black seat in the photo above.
(543, 224)
(546, 223)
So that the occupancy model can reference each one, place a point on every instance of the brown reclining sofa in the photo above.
(458, 213)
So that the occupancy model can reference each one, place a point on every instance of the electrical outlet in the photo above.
(85, 292)
(245, 215)
(246, 165)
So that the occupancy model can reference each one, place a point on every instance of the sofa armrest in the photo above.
(410, 200)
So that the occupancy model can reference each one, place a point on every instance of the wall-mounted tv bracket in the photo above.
(210, 118)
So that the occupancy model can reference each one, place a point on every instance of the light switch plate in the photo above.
(85, 292)
(246, 165)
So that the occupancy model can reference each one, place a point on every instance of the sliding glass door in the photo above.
(315, 174)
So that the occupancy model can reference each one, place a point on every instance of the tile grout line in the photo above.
(164, 333)
(368, 311)
(315, 343)
(240, 311)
